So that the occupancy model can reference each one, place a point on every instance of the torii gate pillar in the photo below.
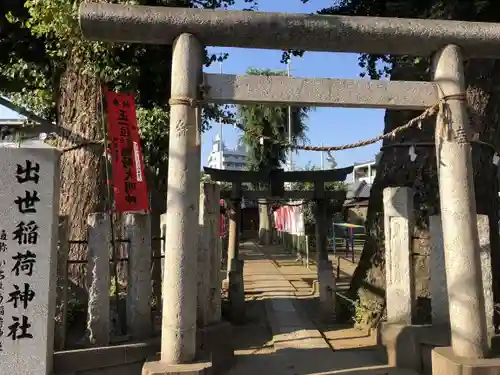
(178, 333)
(458, 210)
(159, 25)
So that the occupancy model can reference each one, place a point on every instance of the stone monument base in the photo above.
(409, 346)
(156, 367)
(445, 362)
(216, 342)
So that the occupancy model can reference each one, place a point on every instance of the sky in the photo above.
(327, 126)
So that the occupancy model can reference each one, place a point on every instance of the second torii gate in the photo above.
(275, 179)
(190, 29)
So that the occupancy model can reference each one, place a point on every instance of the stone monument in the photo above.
(29, 205)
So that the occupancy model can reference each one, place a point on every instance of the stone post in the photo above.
(156, 274)
(236, 292)
(98, 317)
(326, 278)
(483, 230)
(439, 291)
(178, 337)
(209, 283)
(458, 208)
(306, 239)
(214, 338)
(234, 222)
(398, 230)
(137, 229)
(320, 228)
(236, 288)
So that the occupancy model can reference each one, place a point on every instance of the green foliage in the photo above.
(365, 312)
(330, 160)
(75, 308)
(153, 129)
(270, 123)
(378, 66)
(39, 37)
(224, 186)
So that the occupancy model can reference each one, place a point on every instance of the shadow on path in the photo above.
(281, 337)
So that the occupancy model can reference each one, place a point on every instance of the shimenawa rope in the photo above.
(439, 108)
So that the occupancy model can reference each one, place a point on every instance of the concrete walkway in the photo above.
(281, 336)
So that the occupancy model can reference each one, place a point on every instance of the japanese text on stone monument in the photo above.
(27, 256)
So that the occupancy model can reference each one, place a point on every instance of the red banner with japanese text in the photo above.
(127, 161)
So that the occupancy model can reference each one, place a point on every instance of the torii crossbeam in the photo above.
(398, 36)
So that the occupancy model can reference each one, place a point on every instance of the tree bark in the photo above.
(83, 188)
(396, 169)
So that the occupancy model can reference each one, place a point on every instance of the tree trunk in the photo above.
(83, 188)
(264, 223)
(396, 169)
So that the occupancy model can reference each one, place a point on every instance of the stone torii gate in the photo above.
(191, 29)
(275, 179)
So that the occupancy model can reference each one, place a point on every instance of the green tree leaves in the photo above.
(271, 124)
(37, 38)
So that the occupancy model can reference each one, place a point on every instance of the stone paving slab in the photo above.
(338, 336)
(297, 346)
